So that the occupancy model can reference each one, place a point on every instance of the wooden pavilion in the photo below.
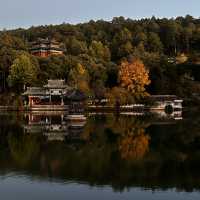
(48, 97)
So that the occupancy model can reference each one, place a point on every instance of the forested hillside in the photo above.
(95, 53)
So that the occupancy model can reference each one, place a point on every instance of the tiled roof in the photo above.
(56, 84)
(76, 95)
(46, 48)
(52, 84)
(45, 41)
(35, 91)
(46, 44)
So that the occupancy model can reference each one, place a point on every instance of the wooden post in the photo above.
(30, 101)
(62, 102)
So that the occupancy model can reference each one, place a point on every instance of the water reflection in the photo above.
(148, 151)
(53, 125)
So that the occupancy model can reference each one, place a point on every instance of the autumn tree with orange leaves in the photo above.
(133, 76)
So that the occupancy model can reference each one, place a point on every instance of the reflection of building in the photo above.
(45, 48)
(48, 97)
(55, 132)
(53, 126)
(160, 117)
(162, 102)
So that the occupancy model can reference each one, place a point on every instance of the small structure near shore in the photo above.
(48, 97)
(163, 102)
(76, 101)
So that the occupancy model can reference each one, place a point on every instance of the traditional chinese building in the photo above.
(76, 101)
(49, 97)
(45, 48)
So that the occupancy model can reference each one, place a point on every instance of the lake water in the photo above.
(45, 156)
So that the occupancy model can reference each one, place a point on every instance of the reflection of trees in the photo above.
(133, 142)
(96, 157)
(123, 124)
(94, 126)
(23, 148)
(89, 128)
(134, 145)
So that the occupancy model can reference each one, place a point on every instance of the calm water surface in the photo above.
(45, 156)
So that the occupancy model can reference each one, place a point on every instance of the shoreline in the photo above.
(91, 109)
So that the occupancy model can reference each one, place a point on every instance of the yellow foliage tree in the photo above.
(118, 93)
(133, 76)
(79, 78)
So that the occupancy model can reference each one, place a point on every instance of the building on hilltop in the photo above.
(45, 48)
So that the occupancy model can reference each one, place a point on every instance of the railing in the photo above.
(49, 107)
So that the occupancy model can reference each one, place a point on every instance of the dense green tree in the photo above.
(169, 31)
(100, 46)
(140, 38)
(12, 42)
(75, 47)
(122, 44)
(98, 50)
(79, 78)
(154, 43)
(23, 72)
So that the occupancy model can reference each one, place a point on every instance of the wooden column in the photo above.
(30, 101)
(62, 102)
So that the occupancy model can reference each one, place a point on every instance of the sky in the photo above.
(26, 13)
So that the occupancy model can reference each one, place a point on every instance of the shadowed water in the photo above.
(46, 156)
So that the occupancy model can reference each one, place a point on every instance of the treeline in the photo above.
(95, 52)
